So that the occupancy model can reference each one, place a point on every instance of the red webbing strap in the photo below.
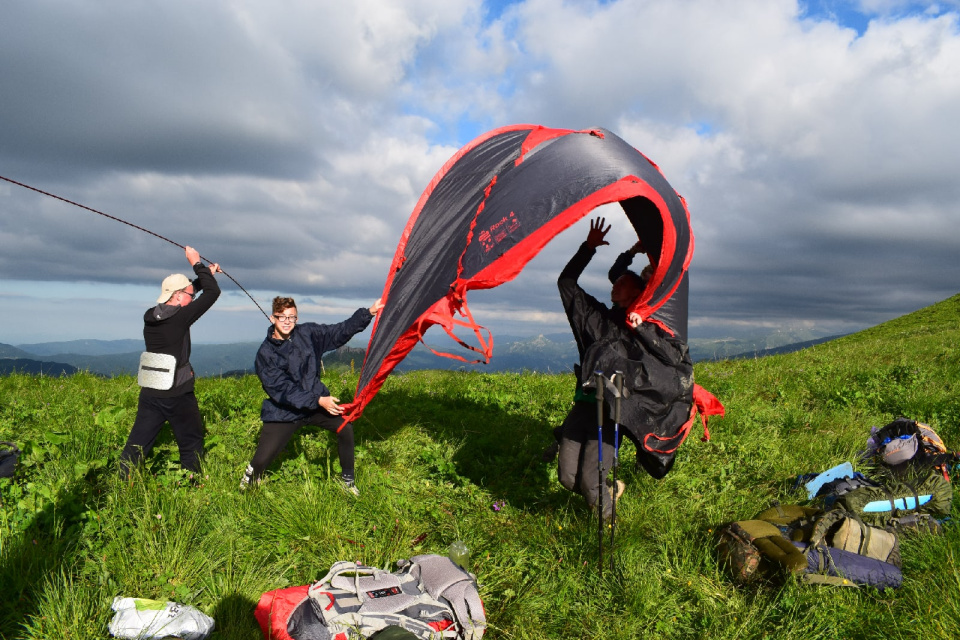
(681, 434)
(707, 404)
(704, 403)
(447, 321)
(458, 300)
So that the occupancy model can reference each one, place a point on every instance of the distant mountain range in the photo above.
(34, 367)
(553, 353)
(82, 347)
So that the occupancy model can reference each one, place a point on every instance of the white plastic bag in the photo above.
(142, 619)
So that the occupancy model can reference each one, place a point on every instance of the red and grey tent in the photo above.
(492, 207)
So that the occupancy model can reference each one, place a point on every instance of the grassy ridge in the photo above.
(436, 451)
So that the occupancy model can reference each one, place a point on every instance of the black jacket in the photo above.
(658, 372)
(590, 319)
(166, 329)
(289, 370)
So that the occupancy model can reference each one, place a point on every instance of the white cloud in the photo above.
(291, 145)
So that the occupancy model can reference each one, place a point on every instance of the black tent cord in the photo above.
(130, 224)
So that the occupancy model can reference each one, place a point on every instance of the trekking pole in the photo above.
(618, 383)
(598, 379)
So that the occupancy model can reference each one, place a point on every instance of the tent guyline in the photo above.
(130, 224)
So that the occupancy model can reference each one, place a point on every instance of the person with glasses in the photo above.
(166, 333)
(288, 365)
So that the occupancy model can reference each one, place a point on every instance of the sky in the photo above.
(815, 143)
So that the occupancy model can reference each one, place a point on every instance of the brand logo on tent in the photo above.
(491, 237)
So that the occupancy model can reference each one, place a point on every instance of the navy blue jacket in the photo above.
(289, 370)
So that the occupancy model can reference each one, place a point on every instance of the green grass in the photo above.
(435, 450)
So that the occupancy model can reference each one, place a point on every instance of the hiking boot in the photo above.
(350, 487)
(621, 487)
(608, 498)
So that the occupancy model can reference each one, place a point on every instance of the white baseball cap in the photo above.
(171, 284)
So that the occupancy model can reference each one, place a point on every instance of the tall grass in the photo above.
(445, 456)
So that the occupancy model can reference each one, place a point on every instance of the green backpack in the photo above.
(927, 492)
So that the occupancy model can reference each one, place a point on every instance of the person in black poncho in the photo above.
(166, 332)
(657, 368)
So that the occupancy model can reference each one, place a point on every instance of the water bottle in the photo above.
(460, 554)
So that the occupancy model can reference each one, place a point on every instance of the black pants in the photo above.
(274, 436)
(578, 459)
(182, 413)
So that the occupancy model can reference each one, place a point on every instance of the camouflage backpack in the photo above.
(832, 547)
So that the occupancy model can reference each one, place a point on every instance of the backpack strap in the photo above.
(826, 566)
(916, 497)
(865, 532)
(443, 580)
(338, 568)
(819, 578)
(467, 606)
(780, 512)
(892, 498)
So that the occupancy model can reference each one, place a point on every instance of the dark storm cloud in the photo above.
(818, 162)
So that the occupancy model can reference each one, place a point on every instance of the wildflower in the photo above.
(498, 504)
(159, 516)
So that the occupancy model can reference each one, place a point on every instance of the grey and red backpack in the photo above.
(429, 596)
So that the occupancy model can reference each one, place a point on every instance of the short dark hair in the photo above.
(634, 278)
(280, 303)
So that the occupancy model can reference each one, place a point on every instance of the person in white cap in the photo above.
(166, 334)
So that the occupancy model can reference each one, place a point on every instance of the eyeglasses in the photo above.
(192, 295)
(285, 318)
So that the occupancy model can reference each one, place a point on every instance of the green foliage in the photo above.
(445, 456)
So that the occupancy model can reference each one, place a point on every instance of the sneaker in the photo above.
(247, 478)
(350, 487)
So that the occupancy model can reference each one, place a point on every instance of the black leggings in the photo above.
(274, 436)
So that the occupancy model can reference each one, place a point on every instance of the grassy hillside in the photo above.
(435, 451)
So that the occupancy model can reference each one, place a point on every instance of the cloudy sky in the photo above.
(816, 144)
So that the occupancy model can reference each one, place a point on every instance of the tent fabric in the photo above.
(492, 207)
